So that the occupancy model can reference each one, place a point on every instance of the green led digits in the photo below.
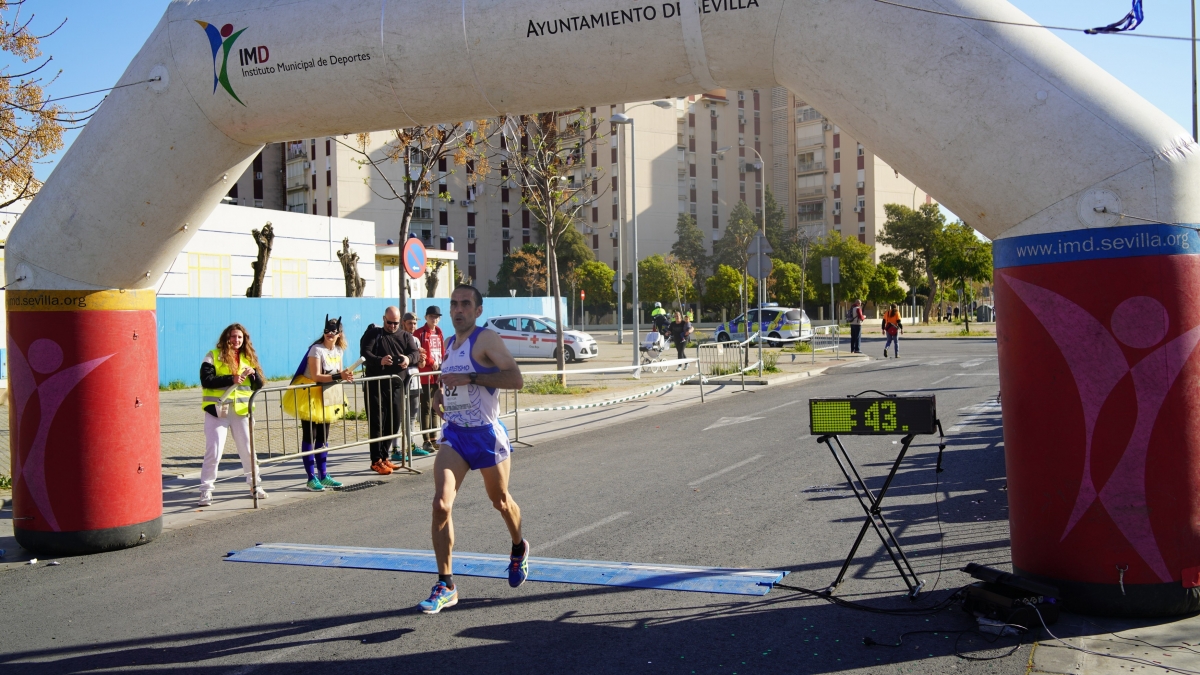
(875, 415)
(832, 417)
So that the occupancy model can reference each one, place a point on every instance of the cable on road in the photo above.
(870, 642)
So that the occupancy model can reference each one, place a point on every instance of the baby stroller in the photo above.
(653, 348)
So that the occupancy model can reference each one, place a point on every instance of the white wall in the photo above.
(315, 239)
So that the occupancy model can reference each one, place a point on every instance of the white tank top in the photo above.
(469, 405)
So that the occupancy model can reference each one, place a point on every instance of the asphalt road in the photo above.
(705, 485)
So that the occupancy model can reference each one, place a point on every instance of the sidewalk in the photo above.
(1171, 644)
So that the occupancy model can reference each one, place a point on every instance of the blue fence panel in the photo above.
(282, 329)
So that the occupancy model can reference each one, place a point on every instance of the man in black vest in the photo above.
(387, 351)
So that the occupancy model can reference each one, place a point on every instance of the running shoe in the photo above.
(260, 493)
(380, 468)
(397, 458)
(518, 567)
(440, 598)
(314, 485)
(885, 353)
(205, 499)
(390, 464)
(420, 452)
(329, 482)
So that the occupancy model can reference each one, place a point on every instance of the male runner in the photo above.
(476, 368)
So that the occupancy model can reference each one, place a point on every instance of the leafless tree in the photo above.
(355, 284)
(544, 154)
(419, 152)
(265, 238)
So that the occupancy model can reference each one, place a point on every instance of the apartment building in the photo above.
(699, 155)
(839, 184)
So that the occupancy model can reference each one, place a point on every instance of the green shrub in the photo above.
(5, 482)
(174, 385)
(771, 362)
(355, 414)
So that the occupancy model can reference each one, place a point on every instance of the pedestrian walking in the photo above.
(229, 375)
(323, 365)
(892, 328)
(680, 329)
(387, 350)
(855, 317)
(433, 347)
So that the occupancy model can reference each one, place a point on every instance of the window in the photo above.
(328, 178)
(714, 161)
(443, 218)
(742, 186)
(862, 203)
(329, 207)
(837, 154)
(314, 183)
(716, 185)
(716, 210)
(470, 233)
(861, 152)
(289, 277)
(505, 324)
(471, 259)
(837, 205)
(442, 163)
(327, 147)
(208, 275)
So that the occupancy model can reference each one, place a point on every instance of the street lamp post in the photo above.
(763, 233)
(623, 118)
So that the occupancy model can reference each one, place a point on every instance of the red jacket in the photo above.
(434, 345)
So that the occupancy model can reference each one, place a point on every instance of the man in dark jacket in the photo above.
(387, 351)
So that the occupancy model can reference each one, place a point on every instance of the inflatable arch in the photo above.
(1081, 182)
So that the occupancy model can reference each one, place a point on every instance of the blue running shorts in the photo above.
(482, 447)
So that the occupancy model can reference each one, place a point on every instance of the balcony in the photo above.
(810, 140)
(808, 115)
(806, 192)
(810, 217)
(297, 152)
(297, 183)
(810, 167)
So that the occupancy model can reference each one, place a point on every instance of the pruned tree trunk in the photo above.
(355, 284)
(432, 272)
(265, 238)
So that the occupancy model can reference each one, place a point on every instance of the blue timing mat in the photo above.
(600, 573)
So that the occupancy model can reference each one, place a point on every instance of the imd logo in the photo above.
(221, 40)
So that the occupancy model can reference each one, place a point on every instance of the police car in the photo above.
(532, 336)
(777, 323)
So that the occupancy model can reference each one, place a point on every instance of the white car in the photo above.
(532, 336)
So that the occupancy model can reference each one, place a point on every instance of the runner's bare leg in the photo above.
(449, 470)
(495, 480)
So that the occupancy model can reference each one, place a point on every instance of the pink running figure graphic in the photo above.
(45, 357)
(1097, 364)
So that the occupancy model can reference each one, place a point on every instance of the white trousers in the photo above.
(215, 430)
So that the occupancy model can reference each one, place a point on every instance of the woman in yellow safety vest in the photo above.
(229, 374)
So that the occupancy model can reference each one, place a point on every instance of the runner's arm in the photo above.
(495, 353)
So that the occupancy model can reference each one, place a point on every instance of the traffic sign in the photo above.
(759, 240)
(753, 267)
(582, 294)
(414, 257)
(831, 271)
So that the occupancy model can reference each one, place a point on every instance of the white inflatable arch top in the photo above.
(1007, 126)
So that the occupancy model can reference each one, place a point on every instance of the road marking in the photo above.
(975, 413)
(730, 421)
(583, 530)
(724, 471)
(860, 364)
(782, 406)
(941, 361)
(976, 362)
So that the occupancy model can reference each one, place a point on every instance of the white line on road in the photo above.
(781, 406)
(976, 362)
(582, 530)
(726, 470)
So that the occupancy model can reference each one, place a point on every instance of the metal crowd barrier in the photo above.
(722, 359)
(826, 338)
(283, 431)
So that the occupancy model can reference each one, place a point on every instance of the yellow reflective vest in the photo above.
(240, 398)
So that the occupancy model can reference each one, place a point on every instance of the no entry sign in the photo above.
(414, 258)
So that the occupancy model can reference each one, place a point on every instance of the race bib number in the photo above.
(456, 399)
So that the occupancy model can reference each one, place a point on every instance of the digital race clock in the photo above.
(863, 416)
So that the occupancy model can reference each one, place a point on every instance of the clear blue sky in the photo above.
(102, 36)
